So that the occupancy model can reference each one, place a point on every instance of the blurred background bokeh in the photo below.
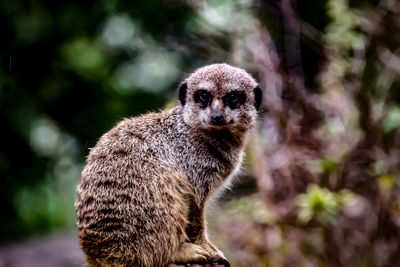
(321, 181)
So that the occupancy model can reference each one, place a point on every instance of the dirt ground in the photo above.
(58, 250)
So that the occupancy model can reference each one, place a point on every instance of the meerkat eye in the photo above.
(203, 97)
(234, 99)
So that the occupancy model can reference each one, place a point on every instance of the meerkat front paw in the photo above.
(216, 255)
(223, 262)
(191, 253)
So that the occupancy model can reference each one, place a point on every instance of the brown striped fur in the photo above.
(143, 191)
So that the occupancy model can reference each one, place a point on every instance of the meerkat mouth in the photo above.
(218, 125)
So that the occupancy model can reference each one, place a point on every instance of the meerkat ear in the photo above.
(257, 97)
(182, 93)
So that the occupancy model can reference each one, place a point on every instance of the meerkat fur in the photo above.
(144, 188)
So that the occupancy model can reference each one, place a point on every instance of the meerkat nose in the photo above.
(217, 119)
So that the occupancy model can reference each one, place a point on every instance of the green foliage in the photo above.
(392, 119)
(321, 204)
(86, 58)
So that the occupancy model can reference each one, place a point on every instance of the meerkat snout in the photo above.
(217, 113)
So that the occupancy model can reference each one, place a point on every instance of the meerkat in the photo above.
(146, 183)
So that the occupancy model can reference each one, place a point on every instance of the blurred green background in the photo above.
(320, 186)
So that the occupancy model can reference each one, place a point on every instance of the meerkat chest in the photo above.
(205, 159)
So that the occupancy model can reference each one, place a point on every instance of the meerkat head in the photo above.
(220, 96)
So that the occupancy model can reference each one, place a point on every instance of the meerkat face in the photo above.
(220, 96)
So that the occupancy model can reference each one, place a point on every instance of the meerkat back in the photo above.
(146, 182)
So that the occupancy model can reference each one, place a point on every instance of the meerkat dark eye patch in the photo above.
(234, 99)
(203, 97)
(257, 97)
(182, 93)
